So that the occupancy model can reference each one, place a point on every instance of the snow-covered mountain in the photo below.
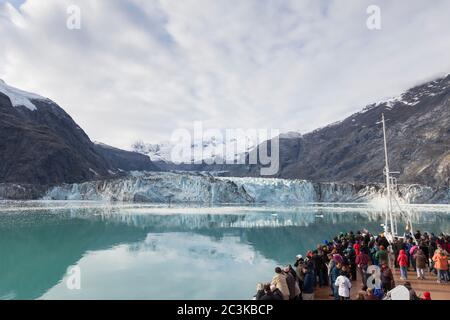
(351, 150)
(41, 144)
(216, 149)
(157, 152)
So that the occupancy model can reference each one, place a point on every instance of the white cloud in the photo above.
(139, 69)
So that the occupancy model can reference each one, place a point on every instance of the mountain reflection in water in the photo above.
(151, 252)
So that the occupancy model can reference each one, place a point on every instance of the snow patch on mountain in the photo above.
(415, 95)
(158, 152)
(411, 97)
(19, 97)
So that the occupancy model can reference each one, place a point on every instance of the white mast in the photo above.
(391, 183)
(388, 179)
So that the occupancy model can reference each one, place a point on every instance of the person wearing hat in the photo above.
(292, 284)
(299, 264)
(382, 255)
(362, 262)
(335, 272)
(330, 265)
(403, 264)
(426, 296)
(308, 284)
(338, 258)
(387, 278)
(383, 241)
(373, 249)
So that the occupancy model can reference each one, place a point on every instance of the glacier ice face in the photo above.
(267, 190)
(165, 187)
(168, 187)
(154, 187)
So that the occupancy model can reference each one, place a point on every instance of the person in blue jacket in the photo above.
(308, 284)
(335, 272)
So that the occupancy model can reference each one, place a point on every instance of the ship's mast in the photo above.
(388, 180)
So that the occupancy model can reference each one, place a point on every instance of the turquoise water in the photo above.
(156, 252)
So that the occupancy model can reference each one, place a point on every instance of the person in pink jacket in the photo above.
(403, 264)
(412, 252)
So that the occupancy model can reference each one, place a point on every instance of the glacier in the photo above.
(204, 188)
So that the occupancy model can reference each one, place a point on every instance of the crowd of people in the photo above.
(362, 257)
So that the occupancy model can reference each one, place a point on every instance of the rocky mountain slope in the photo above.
(418, 131)
(41, 144)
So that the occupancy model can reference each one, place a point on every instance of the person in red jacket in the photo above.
(403, 264)
(357, 248)
(362, 262)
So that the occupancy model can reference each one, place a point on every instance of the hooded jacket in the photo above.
(357, 248)
(426, 296)
(440, 261)
(402, 259)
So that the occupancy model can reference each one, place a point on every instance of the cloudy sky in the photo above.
(139, 69)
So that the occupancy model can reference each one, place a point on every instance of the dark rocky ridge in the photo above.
(125, 160)
(418, 130)
(46, 147)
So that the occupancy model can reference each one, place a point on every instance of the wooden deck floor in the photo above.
(438, 291)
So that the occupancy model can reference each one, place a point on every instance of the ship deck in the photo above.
(439, 291)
